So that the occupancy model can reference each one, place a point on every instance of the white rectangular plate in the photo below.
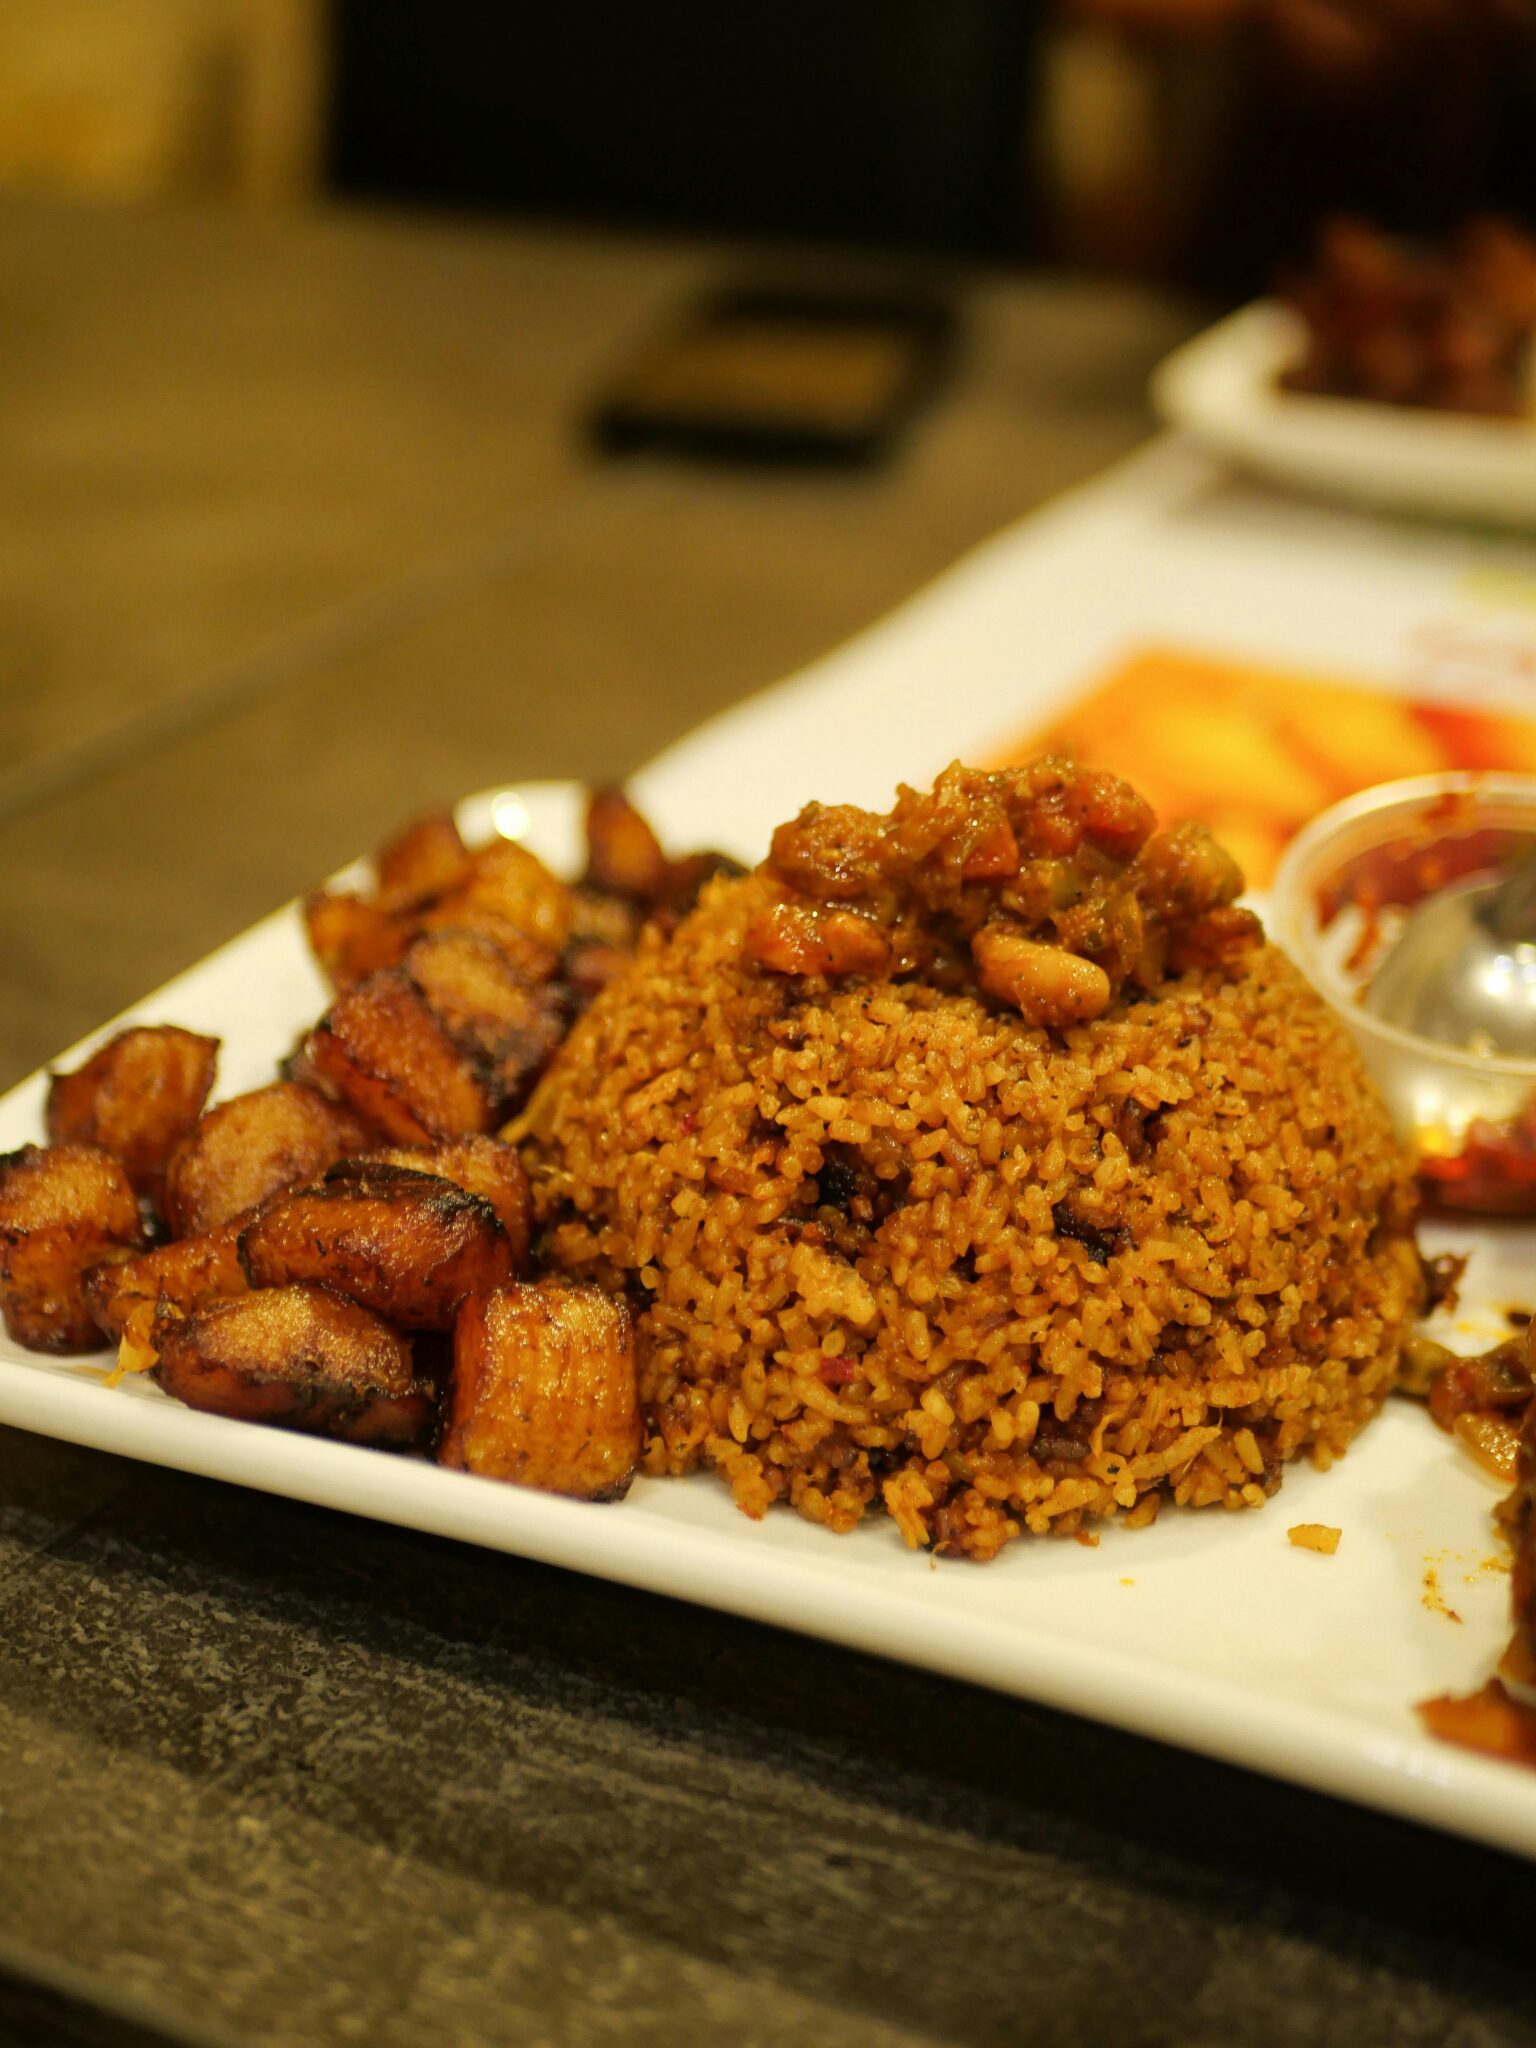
(1223, 390)
(1208, 1630)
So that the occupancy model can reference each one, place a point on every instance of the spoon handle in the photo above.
(1510, 912)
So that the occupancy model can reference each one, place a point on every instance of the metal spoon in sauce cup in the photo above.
(1463, 969)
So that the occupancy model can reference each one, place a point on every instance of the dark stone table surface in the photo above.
(300, 535)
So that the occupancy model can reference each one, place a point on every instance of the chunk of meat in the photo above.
(1499, 1380)
(247, 1148)
(1045, 878)
(299, 1357)
(409, 1246)
(480, 1166)
(1044, 984)
(423, 860)
(63, 1210)
(1185, 872)
(380, 1047)
(137, 1096)
(789, 939)
(543, 1391)
(508, 1025)
(1215, 939)
(188, 1273)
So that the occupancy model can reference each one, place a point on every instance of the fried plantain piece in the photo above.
(600, 919)
(508, 1025)
(298, 1357)
(604, 932)
(588, 967)
(423, 860)
(137, 1096)
(480, 1166)
(386, 1055)
(408, 1245)
(247, 1148)
(624, 856)
(511, 897)
(188, 1273)
(543, 1391)
(625, 863)
(353, 936)
(687, 876)
(63, 1209)
(296, 1065)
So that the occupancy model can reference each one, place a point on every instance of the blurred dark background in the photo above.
(1200, 139)
(1187, 140)
(881, 121)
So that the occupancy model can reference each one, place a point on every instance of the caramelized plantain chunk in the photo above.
(188, 1273)
(491, 1011)
(589, 966)
(624, 855)
(407, 1245)
(296, 1065)
(543, 1391)
(137, 1096)
(353, 936)
(385, 1054)
(598, 918)
(626, 865)
(511, 897)
(249, 1147)
(687, 876)
(299, 1357)
(423, 860)
(63, 1209)
(480, 1166)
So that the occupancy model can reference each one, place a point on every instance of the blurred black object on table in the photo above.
(826, 373)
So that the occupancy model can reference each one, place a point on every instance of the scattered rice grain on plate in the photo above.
(1315, 1536)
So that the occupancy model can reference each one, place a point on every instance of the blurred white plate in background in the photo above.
(1222, 389)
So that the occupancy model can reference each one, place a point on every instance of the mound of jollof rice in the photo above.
(894, 1240)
